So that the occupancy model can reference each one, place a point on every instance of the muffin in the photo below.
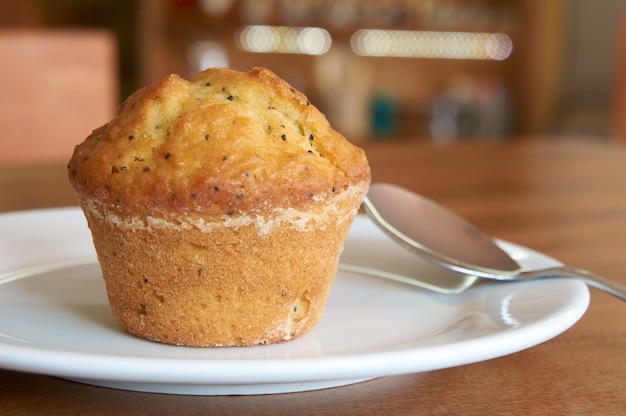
(218, 208)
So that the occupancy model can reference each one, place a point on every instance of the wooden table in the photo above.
(564, 197)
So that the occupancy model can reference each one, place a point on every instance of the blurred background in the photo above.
(439, 70)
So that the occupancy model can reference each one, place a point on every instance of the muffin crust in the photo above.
(218, 208)
(224, 142)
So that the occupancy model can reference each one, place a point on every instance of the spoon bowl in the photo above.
(443, 238)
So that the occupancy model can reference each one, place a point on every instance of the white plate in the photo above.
(55, 320)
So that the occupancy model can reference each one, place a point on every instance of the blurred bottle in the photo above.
(384, 115)
(471, 107)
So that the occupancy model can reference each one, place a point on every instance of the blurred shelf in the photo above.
(530, 74)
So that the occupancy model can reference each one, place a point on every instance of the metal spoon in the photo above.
(447, 240)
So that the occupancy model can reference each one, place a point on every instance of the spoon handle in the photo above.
(597, 281)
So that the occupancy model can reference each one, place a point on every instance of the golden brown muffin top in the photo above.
(224, 142)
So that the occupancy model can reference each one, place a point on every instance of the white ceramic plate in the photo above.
(55, 320)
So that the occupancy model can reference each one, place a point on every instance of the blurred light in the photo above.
(284, 39)
(207, 54)
(426, 44)
(216, 7)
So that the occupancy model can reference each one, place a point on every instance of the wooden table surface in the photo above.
(565, 197)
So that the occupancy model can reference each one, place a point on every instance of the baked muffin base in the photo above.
(226, 281)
